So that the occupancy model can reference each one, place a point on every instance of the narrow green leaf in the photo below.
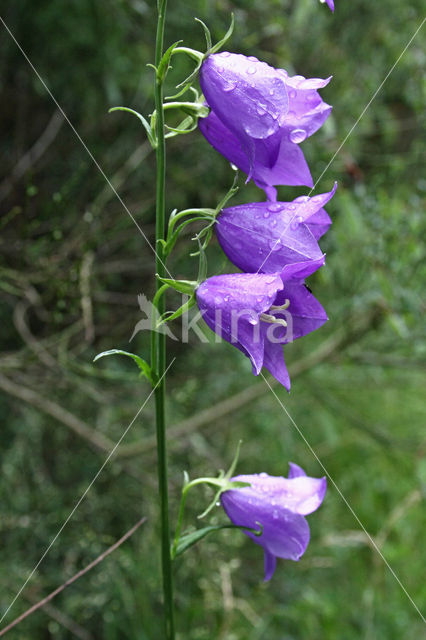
(206, 34)
(145, 123)
(189, 539)
(165, 62)
(225, 38)
(183, 286)
(144, 367)
(172, 315)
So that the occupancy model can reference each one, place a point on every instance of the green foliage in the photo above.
(73, 263)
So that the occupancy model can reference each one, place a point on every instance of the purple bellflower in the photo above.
(265, 236)
(259, 116)
(258, 313)
(278, 505)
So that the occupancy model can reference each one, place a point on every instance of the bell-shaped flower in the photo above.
(258, 313)
(265, 236)
(259, 116)
(276, 506)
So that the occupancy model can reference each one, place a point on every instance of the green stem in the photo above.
(158, 342)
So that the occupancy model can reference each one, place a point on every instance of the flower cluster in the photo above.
(258, 118)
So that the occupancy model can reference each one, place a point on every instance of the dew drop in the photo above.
(273, 223)
(292, 94)
(296, 222)
(275, 206)
(251, 70)
(275, 245)
(260, 110)
(225, 54)
(298, 135)
(229, 86)
(292, 207)
(275, 514)
(271, 92)
(262, 475)
(265, 214)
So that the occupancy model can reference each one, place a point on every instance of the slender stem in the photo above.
(158, 343)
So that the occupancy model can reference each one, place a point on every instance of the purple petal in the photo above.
(285, 534)
(270, 563)
(301, 494)
(266, 113)
(307, 111)
(231, 306)
(311, 212)
(304, 314)
(289, 166)
(224, 141)
(273, 360)
(249, 96)
(295, 471)
(301, 270)
(264, 236)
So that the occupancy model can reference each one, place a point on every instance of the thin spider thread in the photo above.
(363, 112)
(84, 145)
(84, 495)
(371, 540)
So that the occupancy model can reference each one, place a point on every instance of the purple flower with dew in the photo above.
(265, 236)
(259, 116)
(278, 505)
(258, 313)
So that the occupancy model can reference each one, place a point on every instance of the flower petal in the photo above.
(265, 237)
(270, 563)
(273, 360)
(231, 306)
(304, 314)
(295, 471)
(249, 96)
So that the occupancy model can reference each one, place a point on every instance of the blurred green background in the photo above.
(73, 263)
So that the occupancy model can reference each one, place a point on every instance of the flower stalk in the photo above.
(158, 340)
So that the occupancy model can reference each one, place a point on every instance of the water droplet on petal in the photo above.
(273, 223)
(251, 70)
(275, 245)
(265, 214)
(225, 54)
(275, 206)
(292, 94)
(275, 514)
(271, 92)
(252, 59)
(263, 475)
(298, 135)
(229, 86)
(296, 222)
